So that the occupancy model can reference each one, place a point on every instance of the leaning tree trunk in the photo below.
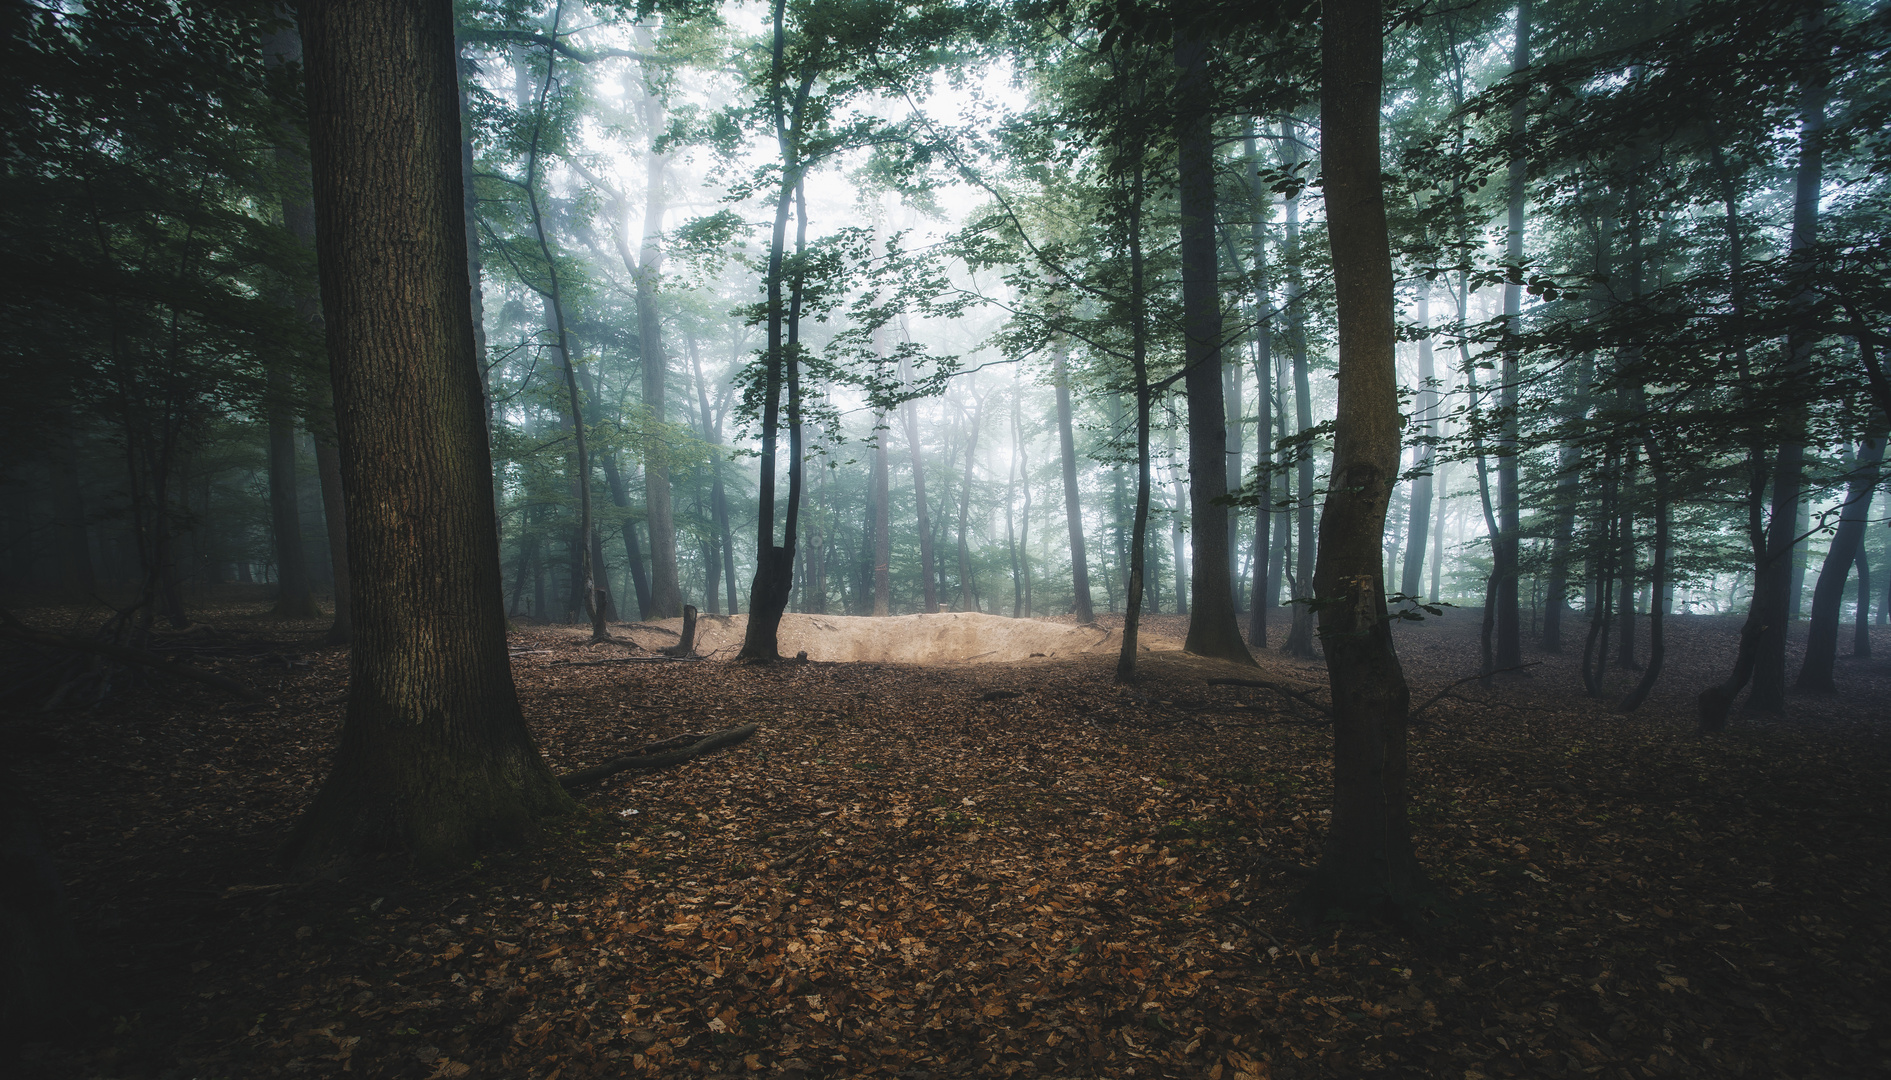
(1212, 627)
(1073, 508)
(1815, 673)
(435, 759)
(1368, 865)
(922, 520)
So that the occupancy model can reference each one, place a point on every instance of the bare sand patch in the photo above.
(946, 638)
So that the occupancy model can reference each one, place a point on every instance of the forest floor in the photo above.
(993, 869)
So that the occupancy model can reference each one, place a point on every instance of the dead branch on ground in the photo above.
(647, 762)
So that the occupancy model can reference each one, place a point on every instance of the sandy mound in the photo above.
(946, 638)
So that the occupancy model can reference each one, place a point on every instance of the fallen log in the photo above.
(622, 660)
(650, 762)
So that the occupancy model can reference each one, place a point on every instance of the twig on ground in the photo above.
(1412, 716)
(1278, 688)
(790, 859)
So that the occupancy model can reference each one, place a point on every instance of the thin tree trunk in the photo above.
(909, 415)
(1139, 367)
(1658, 582)
(1300, 633)
(1427, 414)
(1073, 508)
(1504, 543)
(966, 600)
(1262, 594)
(1861, 618)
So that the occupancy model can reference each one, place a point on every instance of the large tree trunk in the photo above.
(1504, 545)
(1367, 864)
(435, 759)
(1300, 631)
(1073, 508)
(1815, 673)
(1212, 627)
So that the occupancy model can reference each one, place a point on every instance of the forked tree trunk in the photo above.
(1367, 865)
(435, 759)
(1212, 628)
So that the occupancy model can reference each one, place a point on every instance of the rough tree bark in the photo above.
(1368, 864)
(435, 759)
